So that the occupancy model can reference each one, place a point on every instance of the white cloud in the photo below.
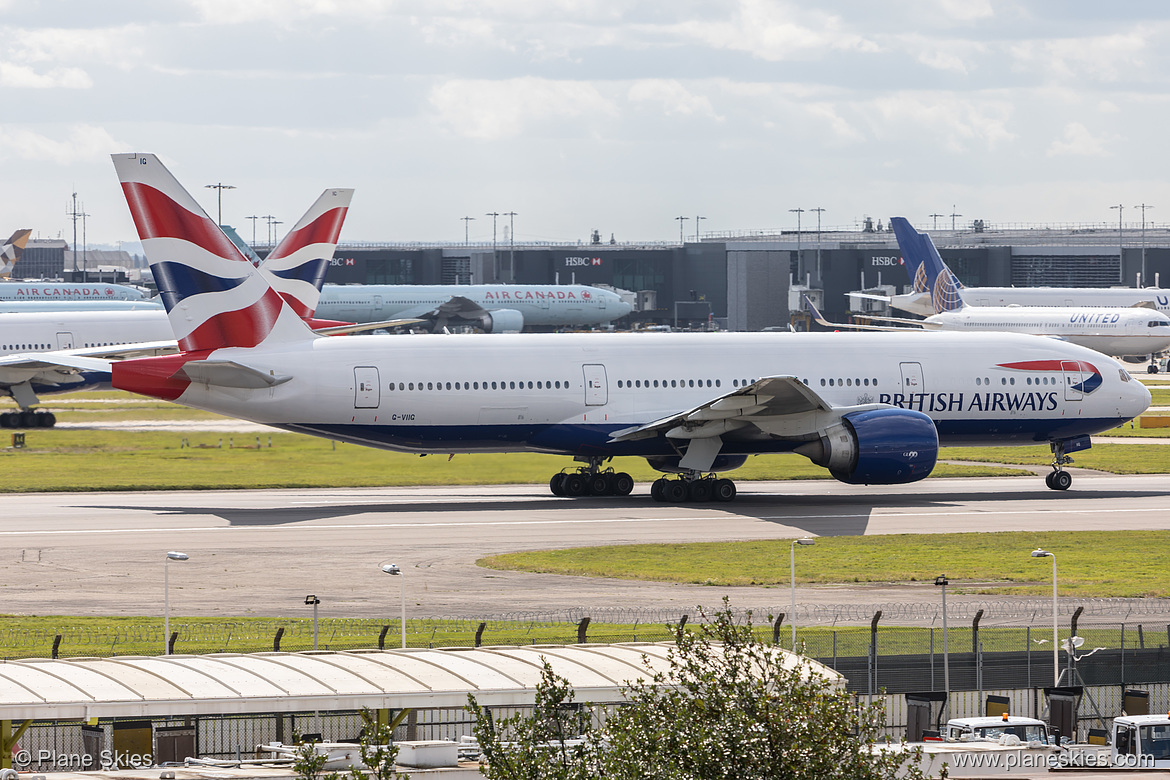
(84, 143)
(1106, 58)
(492, 110)
(838, 125)
(114, 46)
(24, 77)
(673, 97)
(957, 122)
(769, 31)
(1079, 142)
(967, 10)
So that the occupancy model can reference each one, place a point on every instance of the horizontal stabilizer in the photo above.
(362, 327)
(228, 373)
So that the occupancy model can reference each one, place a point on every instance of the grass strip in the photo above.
(1091, 563)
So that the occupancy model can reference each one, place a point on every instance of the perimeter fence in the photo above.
(896, 647)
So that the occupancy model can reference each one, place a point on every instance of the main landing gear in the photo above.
(695, 488)
(1058, 478)
(590, 480)
(28, 419)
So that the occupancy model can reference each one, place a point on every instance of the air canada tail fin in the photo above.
(11, 251)
(919, 251)
(299, 262)
(214, 297)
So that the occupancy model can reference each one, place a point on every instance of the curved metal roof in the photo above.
(232, 683)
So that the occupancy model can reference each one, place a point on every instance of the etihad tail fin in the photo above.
(213, 295)
(11, 250)
(299, 262)
(918, 250)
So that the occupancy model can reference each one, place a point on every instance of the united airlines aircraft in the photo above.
(871, 408)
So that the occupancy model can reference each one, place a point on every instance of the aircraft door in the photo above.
(601, 301)
(596, 387)
(1073, 380)
(377, 303)
(64, 340)
(912, 378)
(367, 393)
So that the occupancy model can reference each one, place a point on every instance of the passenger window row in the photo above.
(510, 385)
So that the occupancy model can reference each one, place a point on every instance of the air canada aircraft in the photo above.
(870, 407)
(40, 349)
(1117, 331)
(493, 308)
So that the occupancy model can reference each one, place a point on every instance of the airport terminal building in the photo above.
(753, 281)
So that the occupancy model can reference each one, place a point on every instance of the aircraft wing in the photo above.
(361, 327)
(817, 318)
(869, 296)
(768, 397)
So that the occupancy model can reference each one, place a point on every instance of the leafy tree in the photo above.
(726, 707)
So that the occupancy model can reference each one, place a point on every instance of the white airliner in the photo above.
(33, 344)
(68, 291)
(692, 404)
(920, 302)
(1134, 331)
(492, 308)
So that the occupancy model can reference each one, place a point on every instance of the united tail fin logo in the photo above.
(299, 262)
(213, 295)
(945, 294)
(1087, 373)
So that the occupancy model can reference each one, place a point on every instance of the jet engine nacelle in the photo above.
(877, 447)
(502, 321)
(669, 463)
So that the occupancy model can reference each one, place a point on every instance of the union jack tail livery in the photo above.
(299, 262)
(930, 272)
(213, 295)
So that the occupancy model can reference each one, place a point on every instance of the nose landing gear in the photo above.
(1058, 478)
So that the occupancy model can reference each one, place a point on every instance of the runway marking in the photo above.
(616, 520)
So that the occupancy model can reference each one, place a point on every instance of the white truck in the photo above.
(1004, 729)
(1141, 742)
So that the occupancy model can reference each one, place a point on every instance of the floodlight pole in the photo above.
(942, 580)
(171, 556)
(792, 574)
(1038, 553)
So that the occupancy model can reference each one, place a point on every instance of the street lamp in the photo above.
(1038, 553)
(219, 197)
(942, 581)
(1120, 242)
(392, 568)
(798, 213)
(171, 556)
(792, 573)
(314, 601)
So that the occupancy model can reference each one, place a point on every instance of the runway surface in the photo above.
(259, 552)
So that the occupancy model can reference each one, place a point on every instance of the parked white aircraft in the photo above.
(920, 302)
(68, 291)
(32, 344)
(1134, 331)
(493, 308)
(693, 404)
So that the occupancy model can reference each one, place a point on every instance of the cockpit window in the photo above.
(1160, 324)
(1125, 377)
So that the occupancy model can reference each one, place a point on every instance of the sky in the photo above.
(579, 115)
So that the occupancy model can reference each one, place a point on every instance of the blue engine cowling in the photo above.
(877, 447)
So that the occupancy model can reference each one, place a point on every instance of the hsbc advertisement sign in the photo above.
(885, 261)
(580, 261)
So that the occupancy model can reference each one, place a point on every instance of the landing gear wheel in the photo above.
(623, 484)
(656, 488)
(700, 490)
(557, 484)
(674, 491)
(6, 420)
(599, 485)
(1048, 479)
(1060, 480)
(1152, 368)
(724, 490)
(575, 485)
(46, 419)
(28, 420)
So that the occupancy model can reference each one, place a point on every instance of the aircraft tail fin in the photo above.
(919, 251)
(299, 262)
(213, 295)
(12, 249)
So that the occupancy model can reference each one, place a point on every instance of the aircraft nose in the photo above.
(1135, 398)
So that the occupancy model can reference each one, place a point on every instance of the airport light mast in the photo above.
(798, 213)
(697, 228)
(681, 222)
(1120, 244)
(819, 211)
(511, 215)
(1143, 207)
(466, 234)
(495, 261)
(954, 215)
(220, 186)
